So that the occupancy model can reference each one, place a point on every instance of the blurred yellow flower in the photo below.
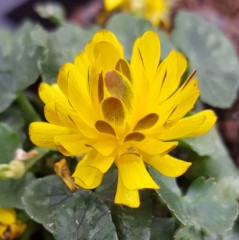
(10, 227)
(127, 113)
(156, 11)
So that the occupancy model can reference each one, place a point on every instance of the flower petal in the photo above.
(146, 122)
(113, 111)
(82, 63)
(102, 36)
(104, 127)
(146, 54)
(7, 215)
(58, 114)
(73, 144)
(187, 96)
(42, 134)
(168, 75)
(190, 126)
(123, 67)
(102, 163)
(107, 55)
(51, 93)
(169, 166)
(125, 196)
(133, 173)
(210, 119)
(153, 146)
(119, 86)
(62, 79)
(105, 145)
(111, 5)
(86, 176)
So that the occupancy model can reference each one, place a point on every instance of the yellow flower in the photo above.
(10, 227)
(158, 12)
(127, 113)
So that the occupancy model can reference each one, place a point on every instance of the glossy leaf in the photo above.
(11, 191)
(134, 223)
(18, 63)
(68, 215)
(212, 54)
(9, 142)
(62, 46)
(203, 208)
(163, 229)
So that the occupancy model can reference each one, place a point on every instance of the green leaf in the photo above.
(107, 188)
(9, 117)
(18, 63)
(203, 208)
(127, 28)
(163, 229)
(68, 215)
(9, 142)
(212, 54)
(217, 164)
(7, 87)
(134, 223)
(188, 233)
(25, 57)
(11, 191)
(204, 145)
(62, 46)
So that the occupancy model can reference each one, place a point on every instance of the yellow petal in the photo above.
(153, 146)
(146, 122)
(62, 79)
(86, 176)
(133, 173)
(111, 5)
(105, 127)
(82, 63)
(74, 144)
(180, 103)
(125, 196)
(168, 75)
(107, 55)
(113, 111)
(51, 115)
(190, 126)
(42, 134)
(123, 67)
(79, 96)
(169, 166)
(210, 119)
(119, 86)
(102, 36)
(7, 215)
(105, 145)
(51, 93)
(58, 115)
(146, 54)
(101, 162)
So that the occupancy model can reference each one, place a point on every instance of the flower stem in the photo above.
(29, 112)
